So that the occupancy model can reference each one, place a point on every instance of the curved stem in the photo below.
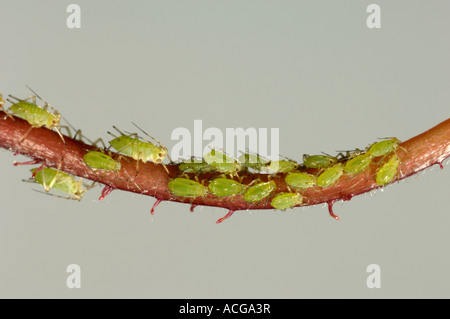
(46, 146)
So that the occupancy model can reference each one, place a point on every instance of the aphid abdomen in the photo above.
(357, 164)
(187, 188)
(33, 114)
(225, 187)
(98, 160)
(387, 172)
(300, 180)
(286, 200)
(259, 191)
(330, 176)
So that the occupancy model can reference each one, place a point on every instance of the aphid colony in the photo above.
(97, 160)
(328, 169)
(225, 170)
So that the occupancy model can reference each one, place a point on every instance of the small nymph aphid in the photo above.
(357, 164)
(300, 180)
(99, 160)
(387, 172)
(55, 179)
(252, 161)
(132, 146)
(330, 175)
(259, 191)
(225, 187)
(318, 161)
(187, 188)
(35, 115)
(383, 147)
(286, 200)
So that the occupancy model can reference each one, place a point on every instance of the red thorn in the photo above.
(230, 212)
(27, 163)
(106, 191)
(16, 153)
(440, 164)
(330, 209)
(158, 201)
(192, 207)
(37, 170)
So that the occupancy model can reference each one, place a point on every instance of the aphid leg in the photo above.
(47, 188)
(26, 134)
(63, 197)
(2, 102)
(100, 140)
(153, 138)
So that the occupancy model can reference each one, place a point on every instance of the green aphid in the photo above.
(35, 115)
(387, 172)
(286, 200)
(318, 161)
(54, 179)
(222, 163)
(132, 146)
(98, 160)
(283, 166)
(194, 167)
(225, 187)
(187, 188)
(330, 175)
(357, 164)
(300, 180)
(383, 147)
(254, 162)
(259, 191)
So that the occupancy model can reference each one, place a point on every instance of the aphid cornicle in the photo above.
(225, 187)
(99, 160)
(259, 191)
(187, 188)
(222, 163)
(357, 164)
(330, 175)
(387, 172)
(286, 200)
(132, 146)
(54, 179)
(318, 161)
(300, 180)
(383, 147)
(35, 115)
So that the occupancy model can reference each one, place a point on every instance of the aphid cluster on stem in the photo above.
(252, 179)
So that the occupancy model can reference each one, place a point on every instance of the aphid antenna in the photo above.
(153, 138)
(46, 103)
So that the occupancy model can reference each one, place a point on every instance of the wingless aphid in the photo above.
(130, 145)
(383, 147)
(259, 191)
(357, 164)
(275, 167)
(252, 161)
(318, 161)
(300, 180)
(286, 200)
(225, 187)
(330, 175)
(54, 179)
(388, 170)
(187, 188)
(98, 160)
(36, 116)
(192, 166)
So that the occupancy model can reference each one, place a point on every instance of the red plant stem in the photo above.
(424, 150)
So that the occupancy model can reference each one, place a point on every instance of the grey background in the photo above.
(311, 68)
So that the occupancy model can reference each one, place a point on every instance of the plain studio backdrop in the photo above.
(313, 69)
